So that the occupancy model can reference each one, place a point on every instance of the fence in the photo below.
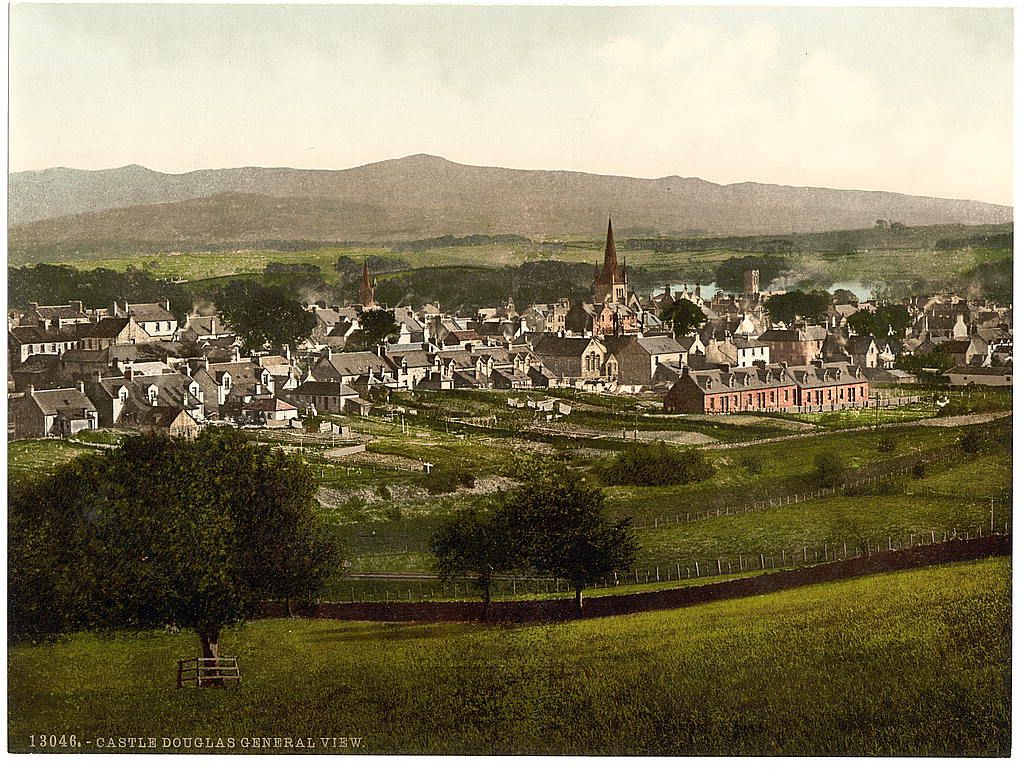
(904, 466)
(205, 670)
(565, 609)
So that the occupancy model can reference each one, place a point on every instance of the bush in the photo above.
(656, 464)
(886, 444)
(442, 480)
(971, 442)
(829, 469)
(752, 463)
(918, 471)
(391, 513)
(384, 492)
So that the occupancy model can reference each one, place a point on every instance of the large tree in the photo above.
(684, 316)
(477, 543)
(888, 317)
(788, 307)
(564, 531)
(376, 326)
(265, 317)
(165, 531)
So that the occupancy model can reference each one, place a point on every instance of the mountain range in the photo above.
(423, 196)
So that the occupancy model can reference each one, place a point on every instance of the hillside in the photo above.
(425, 196)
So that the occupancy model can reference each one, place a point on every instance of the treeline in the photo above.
(700, 244)
(446, 242)
(57, 284)
(464, 290)
(989, 241)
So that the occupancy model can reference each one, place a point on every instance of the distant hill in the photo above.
(425, 196)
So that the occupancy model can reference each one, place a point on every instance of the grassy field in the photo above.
(909, 663)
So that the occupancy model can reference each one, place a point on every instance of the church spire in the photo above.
(366, 287)
(611, 262)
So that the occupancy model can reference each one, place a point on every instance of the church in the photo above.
(615, 310)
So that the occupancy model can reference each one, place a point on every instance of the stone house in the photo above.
(572, 359)
(52, 412)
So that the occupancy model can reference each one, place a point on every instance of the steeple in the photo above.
(366, 287)
(611, 262)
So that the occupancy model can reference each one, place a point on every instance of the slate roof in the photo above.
(355, 363)
(150, 312)
(552, 345)
(62, 401)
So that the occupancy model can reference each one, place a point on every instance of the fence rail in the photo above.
(205, 670)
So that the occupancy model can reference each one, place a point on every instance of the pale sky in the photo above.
(910, 100)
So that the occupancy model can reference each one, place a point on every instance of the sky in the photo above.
(911, 100)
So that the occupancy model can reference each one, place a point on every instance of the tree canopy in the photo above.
(894, 317)
(729, 273)
(684, 316)
(787, 307)
(377, 325)
(474, 542)
(265, 317)
(165, 531)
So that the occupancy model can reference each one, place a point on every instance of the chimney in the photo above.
(81, 386)
(97, 376)
(33, 306)
(128, 374)
(166, 305)
(78, 306)
(257, 388)
(29, 389)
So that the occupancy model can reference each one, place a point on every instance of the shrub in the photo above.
(752, 463)
(442, 480)
(384, 492)
(918, 470)
(829, 469)
(971, 442)
(391, 513)
(656, 464)
(886, 444)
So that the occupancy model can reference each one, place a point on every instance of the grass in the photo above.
(909, 663)
(30, 458)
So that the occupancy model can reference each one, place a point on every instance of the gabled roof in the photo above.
(323, 388)
(552, 345)
(268, 404)
(150, 312)
(62, 401)
(355, 363)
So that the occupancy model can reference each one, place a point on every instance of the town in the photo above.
(137, 365)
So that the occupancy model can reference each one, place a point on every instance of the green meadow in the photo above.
(908, 663)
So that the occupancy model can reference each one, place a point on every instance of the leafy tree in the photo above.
(684, 316)
(829, 469)
(787, 307)
(477, 543)
(265, 317)
(729, 273)
(377, 325)
(564, 531)
(864, 322)
(166, 531)
(844, 297)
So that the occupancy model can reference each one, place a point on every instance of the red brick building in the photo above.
(768, 388)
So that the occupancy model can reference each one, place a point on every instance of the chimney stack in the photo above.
(81, 386)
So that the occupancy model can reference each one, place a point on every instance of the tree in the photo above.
(564, 532)
(166, 531)
(684, 316)
(656, 464)
(376, 326)
(844, 297)
(787, 307)
(887, 317)
(265, 317)
(729, 273)
(829, 469)
(473, 542)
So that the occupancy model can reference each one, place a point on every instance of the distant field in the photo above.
(909, 663)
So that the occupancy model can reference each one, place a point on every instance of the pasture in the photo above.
(909, 663)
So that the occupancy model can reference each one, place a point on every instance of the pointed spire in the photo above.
(611, 263)
(366, 277)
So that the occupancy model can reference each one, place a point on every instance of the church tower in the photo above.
(610, 283)
(366, 288)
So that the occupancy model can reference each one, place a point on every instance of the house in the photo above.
(199, 328)
(23, 342)
(980, 376)
(41, 370)
(725, 389)
(269, 411)
(749, 352)
(646, 360)
(328, 397)
(55, 316)
(128, 400)
(52, 412)
(968, 352)
(348, 366)
(768, 388)
(572, 358)
(155, 318)
(112, 331)
(797, 346)
(172, 421)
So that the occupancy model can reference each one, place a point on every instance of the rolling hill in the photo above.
(422, 196)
